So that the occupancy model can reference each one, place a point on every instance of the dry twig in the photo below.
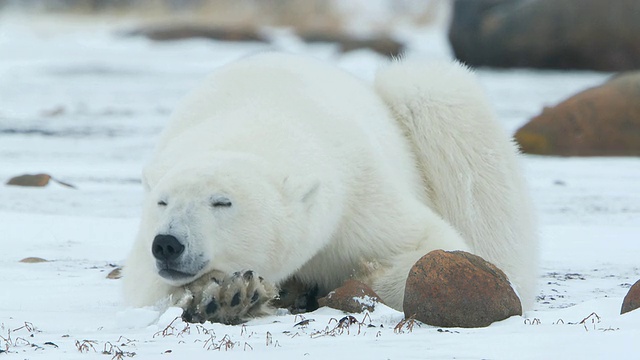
(593, 317)
(407, 323)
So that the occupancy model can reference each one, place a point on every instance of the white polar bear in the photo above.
(291, 168)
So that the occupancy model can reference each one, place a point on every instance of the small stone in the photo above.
(352, 297)
(37, 180)
(115, 273)
(458, 289)
(33, 260)
(30, 180)
(632, 299)
(53, 112)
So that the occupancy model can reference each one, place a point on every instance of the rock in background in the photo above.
(458, 289)
(632, 300)
(380, 43)
(554, 34)
(350, 24)
(37, 180)
(601, 121)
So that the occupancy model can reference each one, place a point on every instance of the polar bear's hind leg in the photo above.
(468, 164)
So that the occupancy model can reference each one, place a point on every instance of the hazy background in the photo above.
(373, 16)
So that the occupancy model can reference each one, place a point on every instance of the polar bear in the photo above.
(282, 167)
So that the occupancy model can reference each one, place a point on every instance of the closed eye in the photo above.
(221, 202)
(162, 203)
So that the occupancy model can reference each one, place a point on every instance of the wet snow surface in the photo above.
(86, 105)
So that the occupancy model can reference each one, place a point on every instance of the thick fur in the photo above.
(330, 178)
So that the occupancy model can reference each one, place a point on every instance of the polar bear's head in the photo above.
(229, 215)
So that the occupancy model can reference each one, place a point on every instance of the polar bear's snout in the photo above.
(166, 248)
(172, 261)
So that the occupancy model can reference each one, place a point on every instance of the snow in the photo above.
(85, 105)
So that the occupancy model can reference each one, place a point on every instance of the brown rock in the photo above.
(115, 274)
(186, 31)
(568, 34)
(54, 112)
(33, 260)
(632, 299)
(601, 121)
(458, 289)
(352, 297)
(30, 180)
(381, 44)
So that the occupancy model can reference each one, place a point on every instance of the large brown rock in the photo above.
(632, 300)
(566, 34)
(458, 289)
(353, 297)
(601, 121)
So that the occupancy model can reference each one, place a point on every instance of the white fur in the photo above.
(331, 179)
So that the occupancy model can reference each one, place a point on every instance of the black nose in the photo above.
(166, 247)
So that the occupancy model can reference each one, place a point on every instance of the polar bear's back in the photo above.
(292, 109)
(287, 86)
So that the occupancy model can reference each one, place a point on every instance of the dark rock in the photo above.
(567, 34)
(352, 297)
(30, 180)
(458, 289)
(181, 32)
(632, 299)
(601, 121)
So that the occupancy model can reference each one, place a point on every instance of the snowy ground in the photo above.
(86, 106)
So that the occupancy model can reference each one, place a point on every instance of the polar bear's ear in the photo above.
(300, 189)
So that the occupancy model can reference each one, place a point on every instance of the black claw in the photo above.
(212, 307)
(260, 278)
(255, 296)
(236, 299)
(215, 280)
(248, 275)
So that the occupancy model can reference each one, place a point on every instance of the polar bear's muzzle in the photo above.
(170, 260)
(166, 248)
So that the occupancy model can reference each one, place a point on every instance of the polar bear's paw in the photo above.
(227, 299)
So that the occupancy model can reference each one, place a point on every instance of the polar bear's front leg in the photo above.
(227, 298)
(388, 278)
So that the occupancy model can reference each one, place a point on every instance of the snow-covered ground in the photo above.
(85, 105)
